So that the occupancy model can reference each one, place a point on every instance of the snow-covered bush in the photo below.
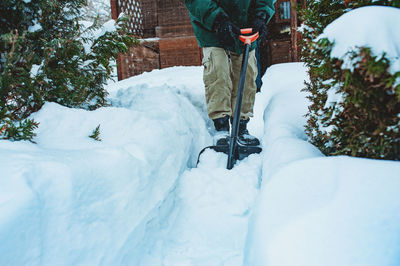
(97, 9)
(49, 54)
(354, 70)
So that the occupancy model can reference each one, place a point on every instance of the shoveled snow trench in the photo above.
(204, 217)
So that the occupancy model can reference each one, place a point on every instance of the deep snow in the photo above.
(136, 197)
(74, 201)
(316, 210)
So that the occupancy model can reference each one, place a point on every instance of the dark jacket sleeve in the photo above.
(203, 11)
(267, 6)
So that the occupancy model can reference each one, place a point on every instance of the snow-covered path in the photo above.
(204, 218)
(208, 224)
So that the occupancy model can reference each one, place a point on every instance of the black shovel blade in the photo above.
(217, 148)
(242, 151)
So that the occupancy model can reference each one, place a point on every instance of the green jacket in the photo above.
(241, 12)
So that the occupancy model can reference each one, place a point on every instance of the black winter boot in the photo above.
(244, 137)
(222, 127)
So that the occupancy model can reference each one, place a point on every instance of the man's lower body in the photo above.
(221, 79)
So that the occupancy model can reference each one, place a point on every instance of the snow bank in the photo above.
(204, 220)
(328, 211)
(284, 107)
(376, 27)
(314, 210)
(71, 200)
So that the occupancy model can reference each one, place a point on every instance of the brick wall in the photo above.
(142, 58)
(178, 46)
(172, 13)
(167, 24)
(150, 18)
(179, 51)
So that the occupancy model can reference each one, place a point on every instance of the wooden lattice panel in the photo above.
(134, 10)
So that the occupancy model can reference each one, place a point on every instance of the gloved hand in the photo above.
(259, 24)
(227, 32)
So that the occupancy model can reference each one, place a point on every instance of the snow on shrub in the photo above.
(354, 87)
(48, 54)
(97, 9)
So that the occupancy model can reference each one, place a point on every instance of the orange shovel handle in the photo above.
(248, 39)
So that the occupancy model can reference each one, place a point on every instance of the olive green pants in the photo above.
(221, 79)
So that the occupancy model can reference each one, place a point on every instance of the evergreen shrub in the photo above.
(47, 53)
(355, 110)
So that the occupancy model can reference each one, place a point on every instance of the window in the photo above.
(284, 10)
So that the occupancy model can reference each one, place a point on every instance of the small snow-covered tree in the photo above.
(48, 54)
(355, 109)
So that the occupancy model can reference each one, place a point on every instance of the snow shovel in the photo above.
(238, 151)
(235, 150)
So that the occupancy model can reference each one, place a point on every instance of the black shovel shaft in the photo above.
(238, 108)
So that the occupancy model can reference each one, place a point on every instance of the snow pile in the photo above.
(71, 200)
(328, 211)
(372, 26)
(314, 210)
